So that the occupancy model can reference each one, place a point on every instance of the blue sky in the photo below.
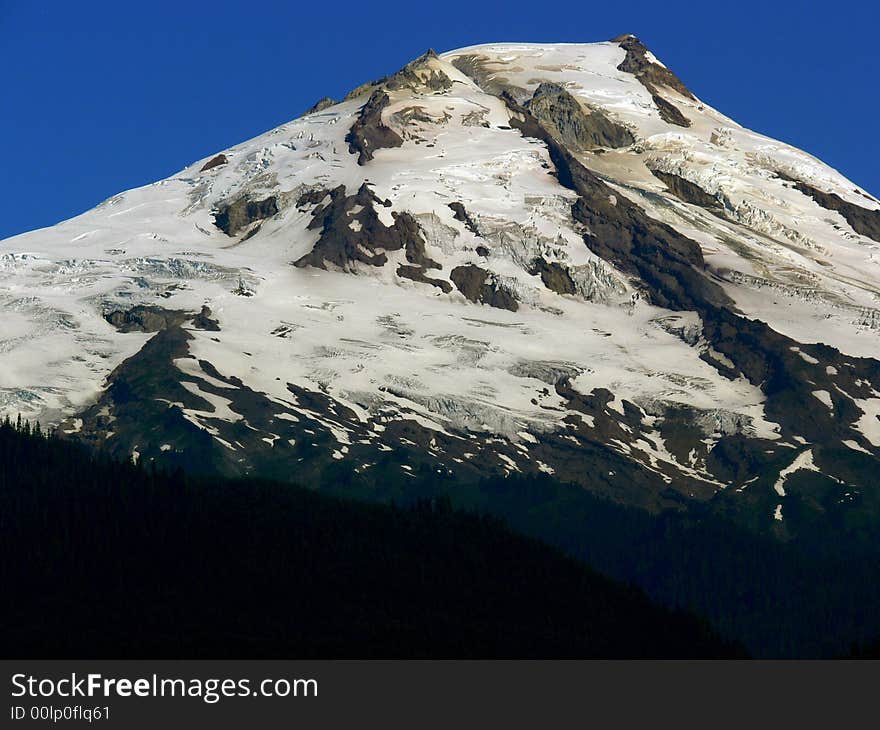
(98, 97)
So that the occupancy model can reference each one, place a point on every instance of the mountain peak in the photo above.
(647, 67)
(510, 257)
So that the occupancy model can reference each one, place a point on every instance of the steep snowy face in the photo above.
(508, 257)
(777, 227)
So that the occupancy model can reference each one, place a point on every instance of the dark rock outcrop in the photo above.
(554, 275)
(480, 286)
(687, 191)
(417, 273)
(863, 221)
(351, 232)
(312, 197)
(322, 104)
(651, 75)
(214, 162)
(669, 263)
(204, 321)
(233, 217)
(478, 69)
(462, 215)
(418, 75)
(669, 113)
(671, 267)
(365, 88)
(410, 114)
(369, 132)
(576, 126)
(146, 319)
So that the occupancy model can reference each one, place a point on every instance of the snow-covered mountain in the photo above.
(511, 257)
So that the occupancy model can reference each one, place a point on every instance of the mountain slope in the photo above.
(174, 568)
(506, 258)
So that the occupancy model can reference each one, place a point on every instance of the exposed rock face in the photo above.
(233, 217)
(369, 132)
(687, 191)
(322, 104)
(669, 112)
(151, 402)
(573, 124)
(420, 75)
(671, 266)
(645, 68)
(774, 362)
(862, 220)
(157, 319)
(214, 162)
(620, 232)
(479, 68)
(129, 404)
(313, 197)
(479, 285)
(413, 241)
(417, 273)
(362, 89)
(204, 320)
(651, 75)
(146, 319)
(462, 215)
(554, 275)
(351, 232)
(410, 114)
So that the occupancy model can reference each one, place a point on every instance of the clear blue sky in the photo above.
(98, 97)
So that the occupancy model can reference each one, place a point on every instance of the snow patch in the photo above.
(803, 460)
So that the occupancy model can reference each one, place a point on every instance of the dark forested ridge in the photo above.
(108, 559)
(814, 597)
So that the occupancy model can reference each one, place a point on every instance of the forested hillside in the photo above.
(808, 597)
(109, 559)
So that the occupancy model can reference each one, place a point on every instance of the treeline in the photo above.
(815, 598)
(101, 558)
